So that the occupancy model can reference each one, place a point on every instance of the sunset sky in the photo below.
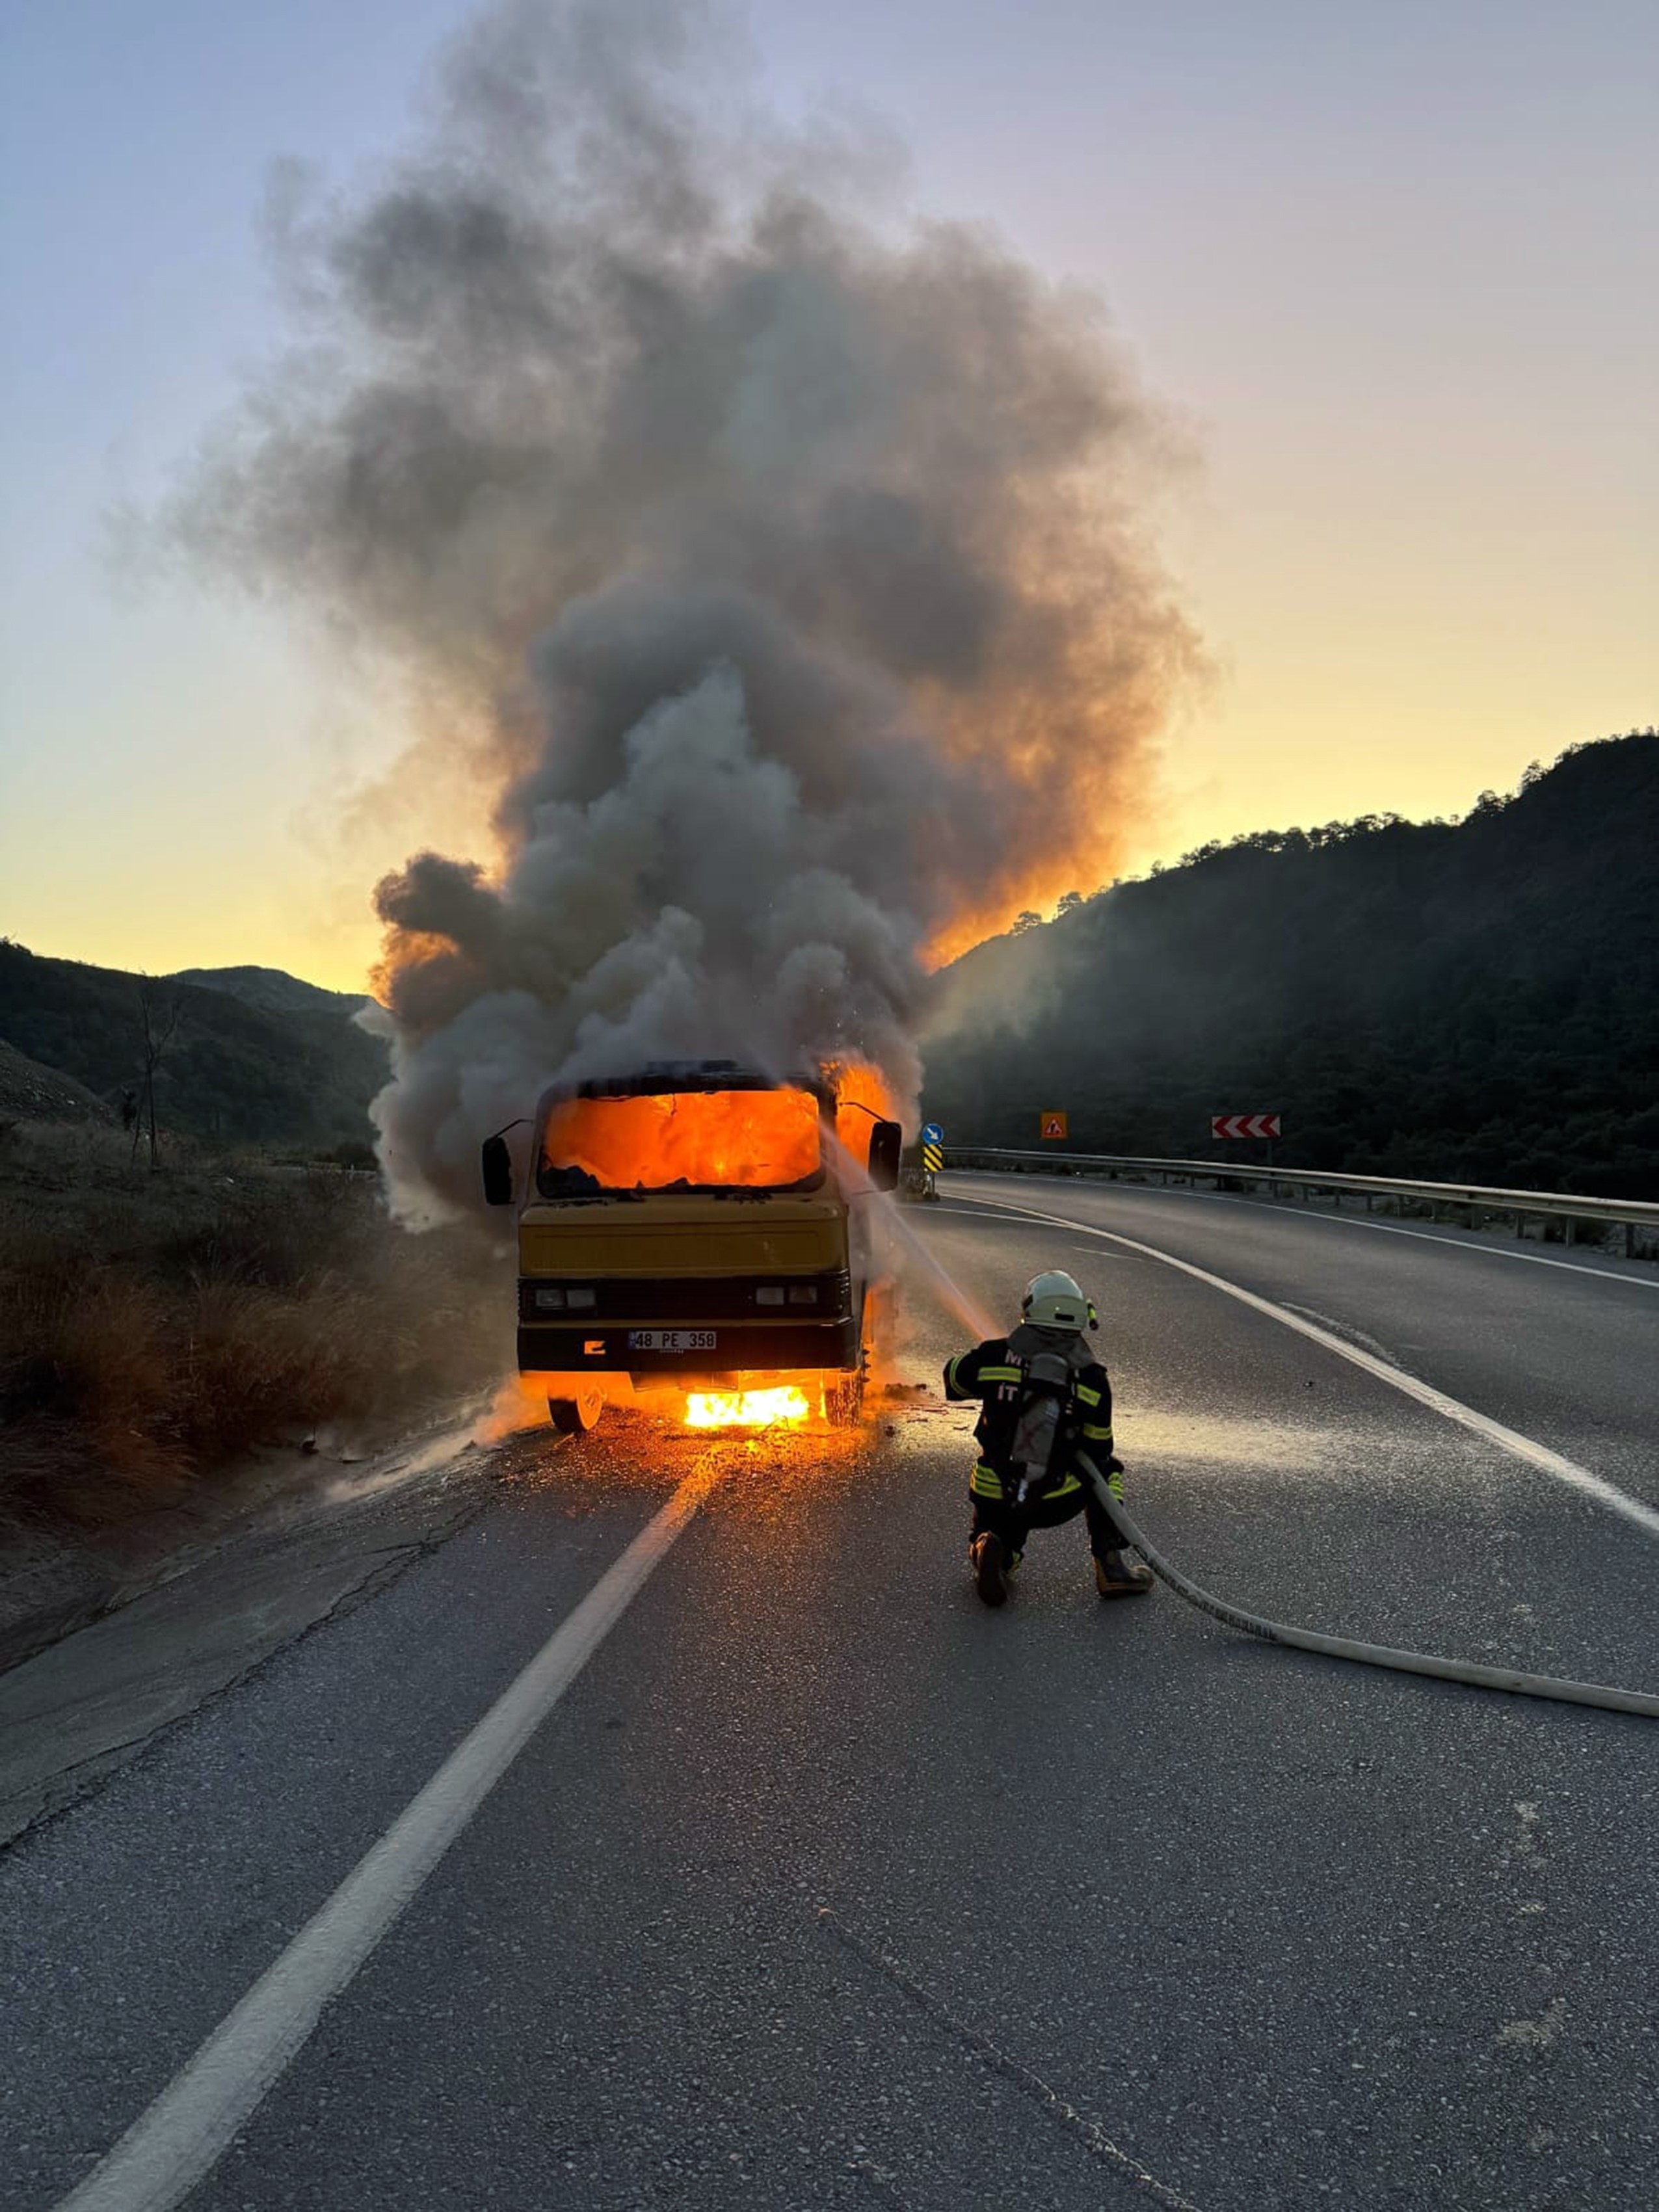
(1392, 269)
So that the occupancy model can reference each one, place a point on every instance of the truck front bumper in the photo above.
(559, 1348)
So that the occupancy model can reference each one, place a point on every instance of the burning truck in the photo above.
(701, 1225)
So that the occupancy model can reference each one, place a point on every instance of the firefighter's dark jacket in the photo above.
(994, 1373)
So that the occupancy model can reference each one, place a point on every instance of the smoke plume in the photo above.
(780, 566)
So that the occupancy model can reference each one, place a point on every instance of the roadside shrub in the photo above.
(155, 1326)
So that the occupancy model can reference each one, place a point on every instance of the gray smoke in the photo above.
(781, 569)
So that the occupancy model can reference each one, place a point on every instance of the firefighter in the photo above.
(1044, 1397)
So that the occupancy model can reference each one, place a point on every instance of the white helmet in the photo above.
(1055, 1301)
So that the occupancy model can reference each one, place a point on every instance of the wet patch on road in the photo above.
(208, 1615)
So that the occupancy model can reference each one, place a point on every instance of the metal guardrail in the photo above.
(1635, 1221)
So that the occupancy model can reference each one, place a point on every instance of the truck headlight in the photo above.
(803, 1294)
(549, 1295)
(769, 1294)
(583, 1300)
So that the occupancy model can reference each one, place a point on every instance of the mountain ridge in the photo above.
(1475, 1000)
(234, 1071)
(273, 989)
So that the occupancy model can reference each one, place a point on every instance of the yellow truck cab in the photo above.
(696, 1222)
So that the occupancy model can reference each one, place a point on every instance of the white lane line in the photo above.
(1509, 1440)
(1384, 1229)
(1422, 1235)
(193, 2122)
(975, 1210)
(1463, 1245)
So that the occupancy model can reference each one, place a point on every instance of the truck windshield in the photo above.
(681, 1141)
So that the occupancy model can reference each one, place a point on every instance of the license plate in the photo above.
(672, 1340)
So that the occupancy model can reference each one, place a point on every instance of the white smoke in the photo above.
(790, 564)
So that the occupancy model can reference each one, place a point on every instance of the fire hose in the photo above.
(1343, 1647)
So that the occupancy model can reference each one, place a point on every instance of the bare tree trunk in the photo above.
(160, 1018)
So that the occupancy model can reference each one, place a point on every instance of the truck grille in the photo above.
(629, 1298)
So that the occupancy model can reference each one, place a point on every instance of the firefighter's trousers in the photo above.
(1013, 1522)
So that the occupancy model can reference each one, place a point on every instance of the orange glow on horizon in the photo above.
(978, 924)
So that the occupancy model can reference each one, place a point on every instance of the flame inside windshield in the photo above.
(685, 1140)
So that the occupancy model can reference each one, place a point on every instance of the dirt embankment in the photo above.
(160, 1330)
(30, 1091)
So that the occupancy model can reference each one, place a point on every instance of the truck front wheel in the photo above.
(574, 1417)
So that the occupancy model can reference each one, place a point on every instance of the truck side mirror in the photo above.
(497, 1163)
(886, 1143)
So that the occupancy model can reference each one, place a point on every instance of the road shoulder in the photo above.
(73, 1711)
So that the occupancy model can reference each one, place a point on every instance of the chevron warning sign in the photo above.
(1245, 1125)
(932, 1158)
(1054, 1125)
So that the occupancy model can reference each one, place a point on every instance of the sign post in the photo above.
(1056, 1128)
(933, 1155)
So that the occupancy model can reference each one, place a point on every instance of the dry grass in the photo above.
(153, 1326)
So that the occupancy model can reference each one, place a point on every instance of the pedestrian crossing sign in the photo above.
(1054, 1125)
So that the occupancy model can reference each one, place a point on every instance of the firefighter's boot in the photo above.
(1119, 1575)
(990, 1568)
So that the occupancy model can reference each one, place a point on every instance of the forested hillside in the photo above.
(1471, 1000)
(236, 1069)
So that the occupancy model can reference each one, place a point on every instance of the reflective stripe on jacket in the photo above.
(994, 1373)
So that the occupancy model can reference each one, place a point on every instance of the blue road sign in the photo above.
(931, 1133)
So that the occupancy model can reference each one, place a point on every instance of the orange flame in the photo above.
(862, 1090)
(746, 1409)
(725, 1140)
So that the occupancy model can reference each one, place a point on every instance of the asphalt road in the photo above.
(821, 1886)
